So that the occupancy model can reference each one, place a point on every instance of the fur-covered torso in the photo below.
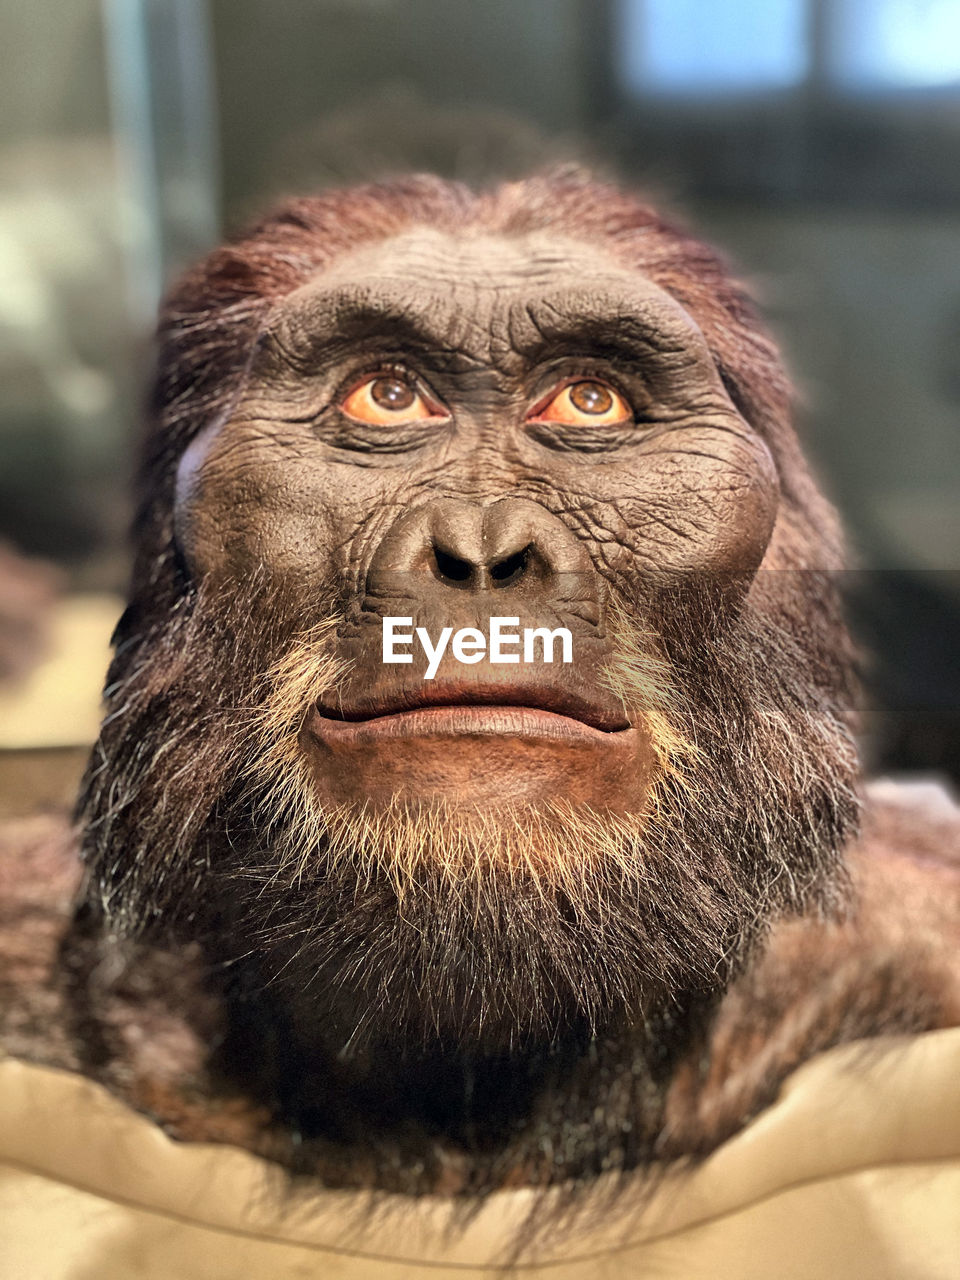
(146, 1023)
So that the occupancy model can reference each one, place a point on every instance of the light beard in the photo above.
(418, 925)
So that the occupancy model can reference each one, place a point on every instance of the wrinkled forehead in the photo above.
(484, 260)
(484, 292)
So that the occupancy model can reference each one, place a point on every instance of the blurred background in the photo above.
(817, 141)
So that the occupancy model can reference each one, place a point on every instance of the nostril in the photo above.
(451, 568)
(510, 569)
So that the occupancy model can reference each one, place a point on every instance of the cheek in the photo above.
(685, 506)
(244, 504)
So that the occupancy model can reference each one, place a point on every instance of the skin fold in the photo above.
(518, 924)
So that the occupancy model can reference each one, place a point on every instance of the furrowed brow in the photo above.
(337, 319)
(589, 322)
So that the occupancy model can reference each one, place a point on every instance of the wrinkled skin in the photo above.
(449, 926)
(489, 324)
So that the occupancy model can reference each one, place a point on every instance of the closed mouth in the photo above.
(471, 708)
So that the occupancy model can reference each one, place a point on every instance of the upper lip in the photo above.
(600, 712)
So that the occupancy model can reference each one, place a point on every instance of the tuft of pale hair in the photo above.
(553, 847)
(642, 678)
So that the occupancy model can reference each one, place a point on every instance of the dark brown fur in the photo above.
(147, 1023)
(199, 1038)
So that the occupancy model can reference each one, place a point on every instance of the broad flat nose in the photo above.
(463, 546)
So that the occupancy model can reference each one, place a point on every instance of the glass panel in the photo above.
(699, 46)
(109, 180)
(65, 332)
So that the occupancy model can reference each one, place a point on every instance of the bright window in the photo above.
(709, 47)
(706, 46)
(895, 44)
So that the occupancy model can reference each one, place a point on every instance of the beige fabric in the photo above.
(854, 1174)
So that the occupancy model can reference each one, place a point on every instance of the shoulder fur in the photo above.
(888, 968)
(144, 1024)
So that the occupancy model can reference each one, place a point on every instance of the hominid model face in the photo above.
(450, 428)
(407, 422)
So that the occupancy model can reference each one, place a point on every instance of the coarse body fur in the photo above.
(151, 1023)
(442, 984)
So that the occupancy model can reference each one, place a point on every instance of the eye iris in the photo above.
(591, 397)
(392, 393)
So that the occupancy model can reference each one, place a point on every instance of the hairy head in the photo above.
(542, 402)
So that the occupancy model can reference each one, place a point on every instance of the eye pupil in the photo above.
(392, 393)
(591, 397)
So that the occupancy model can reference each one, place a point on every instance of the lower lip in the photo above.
(457, 722)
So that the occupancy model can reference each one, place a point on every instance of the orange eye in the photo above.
(585, 404)
(386, 399)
